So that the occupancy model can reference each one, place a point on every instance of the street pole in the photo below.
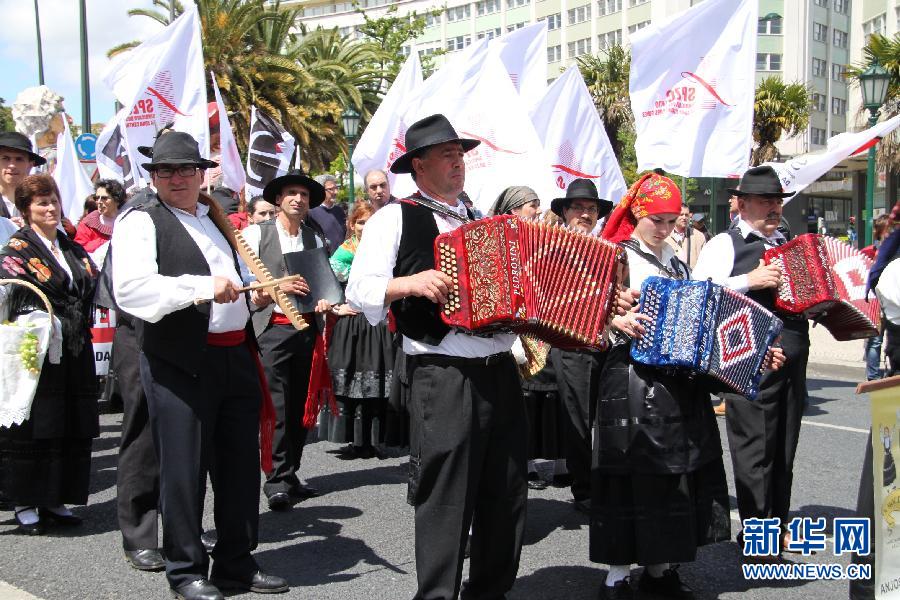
(870, 185)
(712, 205)
(40, 57)
(351, 196)
(85, 78)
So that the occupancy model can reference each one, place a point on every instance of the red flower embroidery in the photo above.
(13, 265)
(41, 271)
(17, 244)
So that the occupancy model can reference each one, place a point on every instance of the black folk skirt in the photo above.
(546, 415)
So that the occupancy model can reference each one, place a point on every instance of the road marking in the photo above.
(8, 592)
(830, 426)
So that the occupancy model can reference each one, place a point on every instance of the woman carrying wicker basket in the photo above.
(45, 460)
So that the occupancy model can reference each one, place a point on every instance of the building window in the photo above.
(768, 62)
(579, 47)
(818, 102)
(822, 3)
(837, 72)
(554, 54)
(517, 3)
(579, 14)
(608, 7)
(488, 33)
(834, 133)
(432, 20)
(841, 6)
(770, 27)
(459, 13)
(876, 25)
(638, 26)
(818, 136)
(515, 26)
(633, 3)
(840, 38)
(486, 7)
(820, 32)
(458, 43)
(404, 51)
(819, 67)
(554, 21)
(427, 52)
(838, 106)
(609, 39)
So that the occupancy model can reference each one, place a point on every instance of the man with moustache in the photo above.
(763, 434)
(16, 161)
(378, 189)
(578, 371)
(287, 352)
(467, 416)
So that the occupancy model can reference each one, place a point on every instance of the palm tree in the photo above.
(887, 51)
(779, 109)
(607, 81)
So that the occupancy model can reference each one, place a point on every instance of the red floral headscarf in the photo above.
(652, 194)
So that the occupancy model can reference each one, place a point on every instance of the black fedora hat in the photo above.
(16, 141)
(296, 177)
(582, 189)
(425, 133)
(760, 181)
(177, 148)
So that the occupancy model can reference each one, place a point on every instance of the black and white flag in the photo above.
(269, 152)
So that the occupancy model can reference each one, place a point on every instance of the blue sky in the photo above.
(108, 25)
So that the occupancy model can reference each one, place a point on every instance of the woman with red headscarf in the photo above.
(658, 488)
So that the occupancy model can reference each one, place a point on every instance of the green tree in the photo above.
(887, 51)
(606, 77)
(779, 110)
(6, 119)
(389, 32)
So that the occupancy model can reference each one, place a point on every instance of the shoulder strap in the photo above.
(676, 268)
(433, 206)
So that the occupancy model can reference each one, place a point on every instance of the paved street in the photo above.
(355, 541)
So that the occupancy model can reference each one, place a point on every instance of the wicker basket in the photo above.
(17, 384)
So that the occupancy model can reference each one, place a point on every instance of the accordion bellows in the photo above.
(824, 279)
(529, 277)
(705, 328)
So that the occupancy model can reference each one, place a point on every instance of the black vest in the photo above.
(272, 257)
(417, 318)
(179, 338)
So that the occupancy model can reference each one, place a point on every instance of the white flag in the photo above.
(269, 152)
(481, 103)
(801, 171)
(382, 140)
(233, 176)
(574, 139)
(692, 87)
(71, 179)
(114, 158)
(524, 54)
(162, 82)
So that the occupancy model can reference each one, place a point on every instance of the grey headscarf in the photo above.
(512, 197)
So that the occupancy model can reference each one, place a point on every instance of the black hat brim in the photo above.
(404, 163)
(203, 164)
(37, 159)
(737, 192)
(557, 205)
(274, 187)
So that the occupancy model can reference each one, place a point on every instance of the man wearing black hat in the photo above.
(578, 371)
(467, 419)
(16, 161)
(171, 256)
(762, 434)
(286, 352)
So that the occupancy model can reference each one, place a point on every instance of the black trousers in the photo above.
(287, 359)
(578, 377)
(137, 477)
(196, 422)
(468, 451)
(763, 434)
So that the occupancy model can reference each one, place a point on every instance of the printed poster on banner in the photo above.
(885, 458)
(269, 152)
(102, 334)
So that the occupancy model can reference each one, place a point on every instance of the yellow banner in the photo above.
(885, 458)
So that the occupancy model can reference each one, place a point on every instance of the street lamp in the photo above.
(350, 122)
(874, 83)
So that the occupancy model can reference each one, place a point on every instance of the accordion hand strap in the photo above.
(437, 207)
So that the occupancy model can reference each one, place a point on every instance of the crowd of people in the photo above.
(213, 375)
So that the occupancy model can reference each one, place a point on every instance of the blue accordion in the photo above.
(705, 328)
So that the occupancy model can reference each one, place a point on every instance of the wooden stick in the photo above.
(267, 284)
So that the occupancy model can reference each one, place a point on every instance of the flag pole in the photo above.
(40, 53)
(85, 77)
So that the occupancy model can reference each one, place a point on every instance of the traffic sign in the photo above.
(86, 146)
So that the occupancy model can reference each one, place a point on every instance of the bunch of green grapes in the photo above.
(28, 350)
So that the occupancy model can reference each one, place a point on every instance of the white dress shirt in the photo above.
(639, 268)
(7, 228)
(141, 291)
(289, 243)
(717, 257)
(56, 253)
(373, 268)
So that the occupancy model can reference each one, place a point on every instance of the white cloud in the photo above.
(108, 25)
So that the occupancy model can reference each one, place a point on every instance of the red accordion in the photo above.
(531, 278)
(825, 280)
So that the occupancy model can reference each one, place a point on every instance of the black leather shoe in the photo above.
(54, 519)
(620, 591)
(199, 589)
(148, 559)
(280, 501)
(259, 582)
(29, 528)
(667, 586)
(304, 492)
(209, 539)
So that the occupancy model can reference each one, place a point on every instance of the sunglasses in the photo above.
(167, 172)
(98, 197)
